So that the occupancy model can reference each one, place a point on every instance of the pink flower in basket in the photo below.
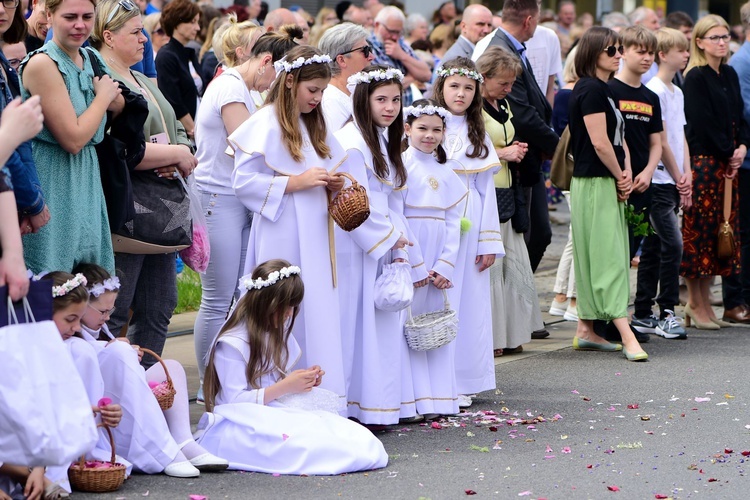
(160, 389)
(197, 255)
(96, 464)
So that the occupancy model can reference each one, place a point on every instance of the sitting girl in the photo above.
(267, 416)
(432, 209)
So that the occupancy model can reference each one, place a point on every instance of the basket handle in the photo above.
(446, 303)
(158, 358)
(351, 179)
(112, 445)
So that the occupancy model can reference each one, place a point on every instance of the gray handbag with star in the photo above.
(162, 222)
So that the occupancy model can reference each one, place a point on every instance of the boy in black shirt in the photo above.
(641, 111)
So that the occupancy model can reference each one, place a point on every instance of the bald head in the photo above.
(278, 18)
(645, 17)
(476, 22)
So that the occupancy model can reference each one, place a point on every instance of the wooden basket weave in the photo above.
(165, 391)
(97, 480)
(351, 207)
(433, 329)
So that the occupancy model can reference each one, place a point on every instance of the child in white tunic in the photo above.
(284, 159)
(154, 440)
(457, 89)
(264, 415)
(432, 209)
(379, 385)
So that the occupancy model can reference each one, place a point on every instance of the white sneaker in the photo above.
(464, 401)
(571, 314)
(181, 469)
(671, 327)
(557, 308)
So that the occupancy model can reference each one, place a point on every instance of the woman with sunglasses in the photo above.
(602, 181)
(74, 103)
(152, 24)
(718, 138)
(347, 45)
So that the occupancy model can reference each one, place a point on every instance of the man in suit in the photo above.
(531, 119)
(476, 24)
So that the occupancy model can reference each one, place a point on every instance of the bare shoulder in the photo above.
(41, 72)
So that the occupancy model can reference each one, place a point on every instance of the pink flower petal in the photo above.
(285, 436)
(104, 402)
(152, 384)
(197, 497)
(524, 494)
(436, 425)
(566, 449)
(613, 488)
(702, 400)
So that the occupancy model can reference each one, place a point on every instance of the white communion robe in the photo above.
(143, 436)
(475, 365)
(294, 227)
(432, 209)
(379, 389)
(273, 437)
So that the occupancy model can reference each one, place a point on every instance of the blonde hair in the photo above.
(103, 11)
(703, 26)
(238, 35)
(569, 70)
(638, 36)
(151, 21)
(668, 39)
(497, 61)
(53, 5)
(217, 25)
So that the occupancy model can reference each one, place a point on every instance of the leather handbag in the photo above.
(520, 220)
(121, 150)
(561, 167)
(725, 247)
(506, 203)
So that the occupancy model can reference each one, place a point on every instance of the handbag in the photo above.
(121, 150)
(561, 167)
(506, 203)
(45, 414)
(725, 247)
(394, 289)
(198, 254)
(39, 297)
(520, 219)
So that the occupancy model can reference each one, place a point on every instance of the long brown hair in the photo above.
(262, 311)
(285, 101)
(363, 117)
(474, 120)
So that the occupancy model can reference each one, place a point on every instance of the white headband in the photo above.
(248, 283)
(376, 75)
(417, 111)
(70, 285)
(284, 65)
(468, 73)
(108, 285)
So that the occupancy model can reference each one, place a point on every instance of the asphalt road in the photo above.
(675, 426)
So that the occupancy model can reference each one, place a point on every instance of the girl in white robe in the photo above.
(379, 385)
(457, 89)
(284, 159)
(432, 209)
(152, 439)
(264, 415)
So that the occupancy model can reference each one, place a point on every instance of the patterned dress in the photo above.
(78, 230)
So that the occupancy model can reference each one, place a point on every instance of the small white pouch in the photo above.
(394, 290)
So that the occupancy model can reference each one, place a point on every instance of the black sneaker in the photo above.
(612, 334)
(645, 325)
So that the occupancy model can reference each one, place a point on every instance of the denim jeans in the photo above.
(228, 222)
(539, 235)
(149, 288)
(661, 255)
(736, 289)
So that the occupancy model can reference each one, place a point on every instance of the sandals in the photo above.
(55, 492)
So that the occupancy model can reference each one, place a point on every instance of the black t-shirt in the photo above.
(591, 96)
(641, 111)
(32, 43)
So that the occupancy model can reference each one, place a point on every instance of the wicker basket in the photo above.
(431, 330)
(97, 480)
(351, 207)
(165, 391)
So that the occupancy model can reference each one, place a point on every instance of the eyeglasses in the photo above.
(125, 4)
(611, 50)
(718, 38)
(391, 32)
(104, 314)
(366, 51)
(14, 63)
(11, 4)
(159, 31)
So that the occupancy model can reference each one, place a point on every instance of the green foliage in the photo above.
(638, 221)
(188, 291)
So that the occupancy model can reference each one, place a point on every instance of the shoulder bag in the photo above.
(506, 203)
(561, 168)
(725, 247)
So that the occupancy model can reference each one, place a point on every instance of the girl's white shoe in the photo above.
(209, 463)
(181, 469)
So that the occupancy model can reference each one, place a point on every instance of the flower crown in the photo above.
(108, 285)
(417, 111)
(248, 283)
(284, 65)
(377, 75)
(468, 73)
(70, 285)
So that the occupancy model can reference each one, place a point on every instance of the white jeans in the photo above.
(228, 222)
(566, 277)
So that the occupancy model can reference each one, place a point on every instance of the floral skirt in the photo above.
(701, 222)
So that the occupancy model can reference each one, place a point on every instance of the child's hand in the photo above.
(300, 381)
(439, 281)
(336, 183)
(111, 414)
(421, 283)
(319, 374)
(310, 178)
(484, 261)
(401, 243)
(34, 488)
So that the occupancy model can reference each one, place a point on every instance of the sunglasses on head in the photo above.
(366, 51)
(125, 4)
(611, 50)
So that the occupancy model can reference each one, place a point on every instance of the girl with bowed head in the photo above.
(74, 106)
(227, 103)
(457, 90)
(432, 206)
(284, 159)
(379, 388)
(267, 411)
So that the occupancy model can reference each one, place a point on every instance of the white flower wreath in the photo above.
(377, 75)
(70, 285)
(286, 66)
(108, 285)
(468, 73)
(417, 111)
(248, 283)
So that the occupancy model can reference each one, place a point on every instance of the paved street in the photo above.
(562, 424)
